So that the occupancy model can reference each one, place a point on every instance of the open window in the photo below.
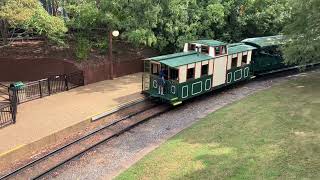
(234, 62)
(190, 73)
(244, 60)
(217, 50)
(155, 69)
(205, 49)
(223, 49)
(220, 50)
(204, 70)
(191, 47)
(174, 74)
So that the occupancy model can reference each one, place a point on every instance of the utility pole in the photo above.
(110, 55)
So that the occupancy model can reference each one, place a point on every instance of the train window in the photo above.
(244, 59)
(205, 49)
(174, 74)
(155, 69)
(204, 70)
(190, 73)
(217, 51)
(234, 62)
(192, 47)
(223, 50)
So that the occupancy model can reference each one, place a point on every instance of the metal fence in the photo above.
(4, 92)
(8, 106)
(46, 87)
(8, 114)
(12, 96)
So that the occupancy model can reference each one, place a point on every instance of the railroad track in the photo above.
(42, 166)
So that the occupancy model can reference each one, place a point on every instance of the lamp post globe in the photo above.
(115, 33)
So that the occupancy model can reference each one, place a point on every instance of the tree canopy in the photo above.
(303, 33)
(31, 16)
(167, 24)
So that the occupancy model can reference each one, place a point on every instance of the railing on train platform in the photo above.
(12, 95)
(52, 85)
(8, 106)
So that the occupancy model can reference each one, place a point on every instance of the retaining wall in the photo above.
(35, 69)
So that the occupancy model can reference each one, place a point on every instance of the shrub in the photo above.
(83, 47)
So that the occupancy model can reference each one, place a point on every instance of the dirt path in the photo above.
(111, 158)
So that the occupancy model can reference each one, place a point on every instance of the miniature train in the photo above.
(206, 65)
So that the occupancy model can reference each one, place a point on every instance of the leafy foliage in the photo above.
(30, 15)
(83, 46)
(168, 24)
(303, 33)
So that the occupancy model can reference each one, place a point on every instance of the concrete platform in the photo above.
(40, 118)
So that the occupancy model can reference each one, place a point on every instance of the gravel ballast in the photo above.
(113, 157)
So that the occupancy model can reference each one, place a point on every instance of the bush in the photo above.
(83, 47)
(102, 45)
(31, 16)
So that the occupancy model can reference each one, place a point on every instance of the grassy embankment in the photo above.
(273, 134)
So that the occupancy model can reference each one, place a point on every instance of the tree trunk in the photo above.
(4, 31)
(54, 8)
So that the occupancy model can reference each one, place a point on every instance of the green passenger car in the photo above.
(267, 57)
(203, 66)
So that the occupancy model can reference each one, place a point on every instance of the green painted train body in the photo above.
(267, 55)
(207, 65)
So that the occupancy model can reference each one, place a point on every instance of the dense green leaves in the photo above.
(30, 15)
(303, 33)
(168, 24)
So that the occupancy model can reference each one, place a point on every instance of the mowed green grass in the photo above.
(273, 134)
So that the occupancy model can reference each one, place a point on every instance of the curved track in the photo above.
(42, 166)
(56, 158)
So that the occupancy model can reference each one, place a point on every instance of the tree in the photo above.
(303, 33)
(32, 17)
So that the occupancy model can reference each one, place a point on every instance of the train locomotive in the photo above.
(206, 65)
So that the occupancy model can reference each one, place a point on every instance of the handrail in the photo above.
(167, 80)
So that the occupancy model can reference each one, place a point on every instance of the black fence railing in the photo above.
(8, 106)
(4, 92)
(14, 95)
(52, 85)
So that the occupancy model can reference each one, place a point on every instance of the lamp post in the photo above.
(111, 34)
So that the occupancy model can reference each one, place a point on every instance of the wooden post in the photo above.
(40, 89)
(110, 54)
(66, 82)
(49, 86)
(4, 31)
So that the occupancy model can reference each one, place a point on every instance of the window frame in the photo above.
(157, 68)
(194, 73)
(242, 61)
(232, 62)
(207, 51)
(192, 47)
(170, 74)
(201, 71)
(215, 51)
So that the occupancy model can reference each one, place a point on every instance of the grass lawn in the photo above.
(273, 134)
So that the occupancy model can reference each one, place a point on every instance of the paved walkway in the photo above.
(40, 118)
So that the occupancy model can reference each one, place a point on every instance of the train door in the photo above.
(220, 71)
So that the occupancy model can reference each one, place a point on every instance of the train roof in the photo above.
(239, 47)
(211, 43)
(261, 42)
(180, 59)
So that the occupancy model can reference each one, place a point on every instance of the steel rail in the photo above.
(94, 145)
(74, 142)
